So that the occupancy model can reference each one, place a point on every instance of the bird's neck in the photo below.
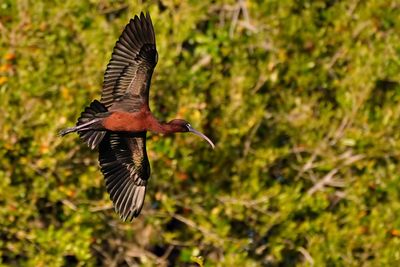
(156, 126)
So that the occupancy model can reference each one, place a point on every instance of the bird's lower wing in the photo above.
(124, 163)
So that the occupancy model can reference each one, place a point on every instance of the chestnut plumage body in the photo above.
(117, 124)
(120, 121)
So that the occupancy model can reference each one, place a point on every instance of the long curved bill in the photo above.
(201, 135)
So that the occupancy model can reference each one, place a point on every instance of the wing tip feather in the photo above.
(127, 213)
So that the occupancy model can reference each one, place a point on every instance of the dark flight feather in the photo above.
(124, 163)
(131, 66)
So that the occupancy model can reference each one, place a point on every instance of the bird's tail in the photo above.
(88, 125)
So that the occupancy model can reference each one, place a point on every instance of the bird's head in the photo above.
(182, 126)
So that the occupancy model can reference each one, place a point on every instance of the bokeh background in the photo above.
(302, 99)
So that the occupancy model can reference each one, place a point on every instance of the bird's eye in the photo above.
(188, 125)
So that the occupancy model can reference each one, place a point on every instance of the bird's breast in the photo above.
(125, 122)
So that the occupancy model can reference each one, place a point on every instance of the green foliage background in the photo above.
(300, 97)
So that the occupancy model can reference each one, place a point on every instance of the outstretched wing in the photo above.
(123, 161)
(128, 75)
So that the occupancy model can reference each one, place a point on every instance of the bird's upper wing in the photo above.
(123, 161)
(128, 75)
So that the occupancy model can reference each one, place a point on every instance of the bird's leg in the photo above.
(81, 127)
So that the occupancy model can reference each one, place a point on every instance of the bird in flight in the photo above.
(117, 124)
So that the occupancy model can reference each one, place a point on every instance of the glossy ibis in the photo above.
(117, 124)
